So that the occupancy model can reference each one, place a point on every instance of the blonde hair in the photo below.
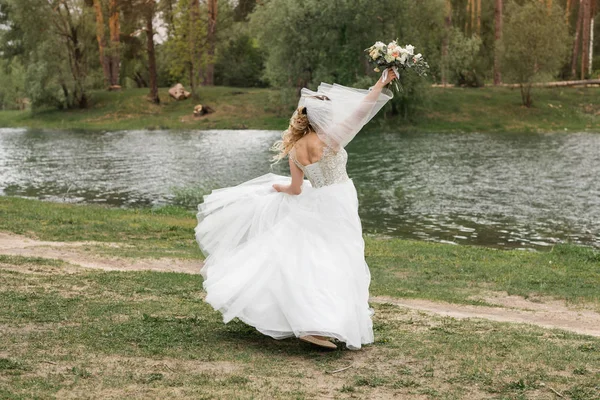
(298, 127)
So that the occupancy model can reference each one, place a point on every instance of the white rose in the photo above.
(379, 45)
(410, 49)
(417, 57)
(403, 57)
(389, 58)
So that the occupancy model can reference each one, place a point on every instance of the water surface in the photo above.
(501, 190)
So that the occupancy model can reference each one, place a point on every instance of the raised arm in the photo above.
(358, 115)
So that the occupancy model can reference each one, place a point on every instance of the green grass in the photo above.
(414, 269)
(67, 332)
(143, 232)
(150, 335)
(235, 108)
(486, 109)
(500, 110)
(399, 268)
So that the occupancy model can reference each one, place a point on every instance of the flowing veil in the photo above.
(338, 113)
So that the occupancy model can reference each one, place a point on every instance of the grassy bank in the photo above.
(444, 110)
(399, 268)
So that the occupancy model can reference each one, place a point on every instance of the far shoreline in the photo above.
(443, 110)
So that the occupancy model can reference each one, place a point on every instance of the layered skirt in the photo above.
(288, 265)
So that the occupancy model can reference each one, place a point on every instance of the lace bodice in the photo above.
(330, 169)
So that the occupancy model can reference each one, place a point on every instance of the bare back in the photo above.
(309, 149)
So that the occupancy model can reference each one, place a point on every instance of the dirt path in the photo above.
(546, 313)
(73, 253)
(554, 314)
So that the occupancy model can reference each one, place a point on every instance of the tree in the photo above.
(240, 62)
(497, 40)
(585, 37)
(576, 40)
(463, 56)
(110, 57)
(187, 46)
(114, 25)
(312, 41)
(211, 39)
(446, 40)
(535, 45)
(55, 37)
(11, 37)
(149, 9)
(101, 38)
(308, 42)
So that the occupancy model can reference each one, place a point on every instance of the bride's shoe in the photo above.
(319, 342)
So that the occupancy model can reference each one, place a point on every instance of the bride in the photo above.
(284, 254)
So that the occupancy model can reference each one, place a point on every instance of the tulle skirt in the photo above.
(288, 265)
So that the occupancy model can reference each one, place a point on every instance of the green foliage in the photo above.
(186, 48)
(43, 86)
(240, 63)
(413, 96)
(463, 53)
(310, 42)
(58, 50)
(535, 44)
(12, 91)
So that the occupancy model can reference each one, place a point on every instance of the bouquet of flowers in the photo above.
(393, 56)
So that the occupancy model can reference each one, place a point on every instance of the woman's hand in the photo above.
(285, 189)
(391, 75)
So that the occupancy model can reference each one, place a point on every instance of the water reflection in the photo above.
(502, 190)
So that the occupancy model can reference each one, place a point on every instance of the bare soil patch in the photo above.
(73, 253)
(554, 314)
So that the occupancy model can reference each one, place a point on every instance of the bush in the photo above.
(462, 59)
(240, 63)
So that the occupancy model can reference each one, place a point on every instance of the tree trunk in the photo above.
(526, 94)
(65, 90)
(195, 56)
(212, 27)
(473, 12)
(467, 17)
(497, 41)
(478, 17)
(446, 40)
(585, 39)
(568, 11)
(153, 96)
(591, 57)
(575, 54)
(100, 36)
(76, 55)
(139, 80)
(115, 33)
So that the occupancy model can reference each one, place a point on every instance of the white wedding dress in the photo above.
(293, 265)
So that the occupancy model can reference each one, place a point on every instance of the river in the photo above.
(510, 190)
